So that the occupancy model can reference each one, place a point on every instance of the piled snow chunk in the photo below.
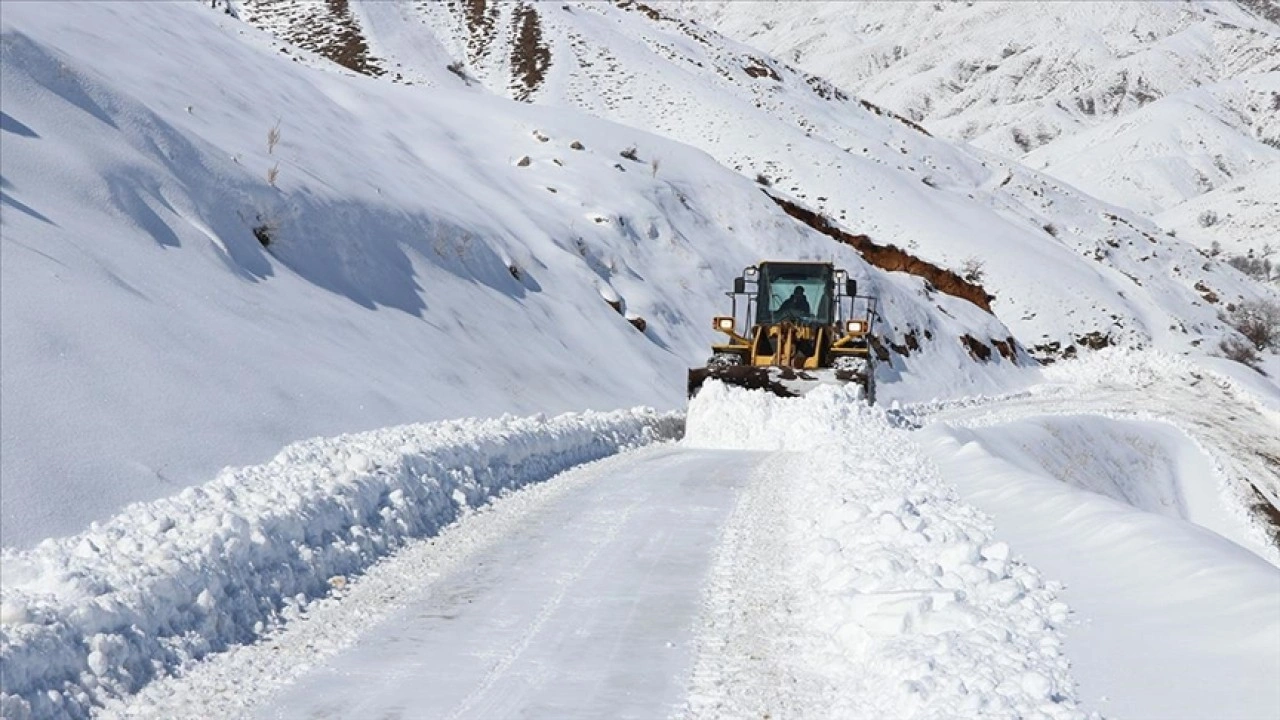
(900, 584)
(96, 616)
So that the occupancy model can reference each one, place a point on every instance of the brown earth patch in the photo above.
(326, 28)
(480, 18)
(530, 58)
(1007, 348)
(890, 257)
(758, 68)
(1094, 340)
(882, 352)
(1208, 294)
(977, 349)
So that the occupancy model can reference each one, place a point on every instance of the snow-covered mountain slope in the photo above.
(1144, 104)
(1239, 217)
(1066, 270)
(213, 247)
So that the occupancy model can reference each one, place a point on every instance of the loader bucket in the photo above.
(781, 381)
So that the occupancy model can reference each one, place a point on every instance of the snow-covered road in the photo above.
(1088, 546)
(584, 611)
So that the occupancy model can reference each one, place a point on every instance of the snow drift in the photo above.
(911, 607)
(95, 616)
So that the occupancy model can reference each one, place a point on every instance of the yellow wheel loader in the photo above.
(805, 326)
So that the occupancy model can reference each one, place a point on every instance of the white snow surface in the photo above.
(434, 252)
(1179, 622)
(1134, 479)
(437, 250)
(1148, 105)
(94, 617)
(859, 584)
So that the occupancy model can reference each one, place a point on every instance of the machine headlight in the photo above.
(750, 272)
(723, 324)
(855, 327)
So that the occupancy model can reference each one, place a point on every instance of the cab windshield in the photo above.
(796, 292)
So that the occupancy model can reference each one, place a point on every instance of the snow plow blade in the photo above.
(781, 381)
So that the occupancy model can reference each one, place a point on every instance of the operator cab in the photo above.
(799, 293)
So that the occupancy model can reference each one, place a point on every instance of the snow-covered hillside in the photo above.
(1147, 105)
(211, 250)
(1116, 278)
(444, 253)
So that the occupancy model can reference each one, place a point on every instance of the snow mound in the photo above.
(95, 616)
(912, 608)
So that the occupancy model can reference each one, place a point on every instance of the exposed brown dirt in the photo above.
(1094, 340)
(1008, 348)
(348, 47)
(1207, 293)
(480, 18)
(530, 58)
(327, 29)
(977, 349)
(641, 7)
(890, 257)
(910, 344)
(877, 347)
(758, 68)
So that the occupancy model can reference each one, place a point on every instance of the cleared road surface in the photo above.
(585, 611)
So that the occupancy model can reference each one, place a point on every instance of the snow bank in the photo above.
(912, 606)
(1180, 622)
(95, 616)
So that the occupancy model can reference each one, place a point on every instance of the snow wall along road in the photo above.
(96, 616)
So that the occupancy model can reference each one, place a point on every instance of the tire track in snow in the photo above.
(615, 520)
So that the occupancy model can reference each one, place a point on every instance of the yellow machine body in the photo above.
(807, 327)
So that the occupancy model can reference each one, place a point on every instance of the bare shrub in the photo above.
(273, 137)
(1208, 218)
(457, 68)
(973, 270)
(1240, 351)
(273, 172)
(1021, 140)
(1256, 267)
(1258, 321)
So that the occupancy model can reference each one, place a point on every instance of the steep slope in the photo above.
(1144, 104)
(1066, 271)
(213, 247)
